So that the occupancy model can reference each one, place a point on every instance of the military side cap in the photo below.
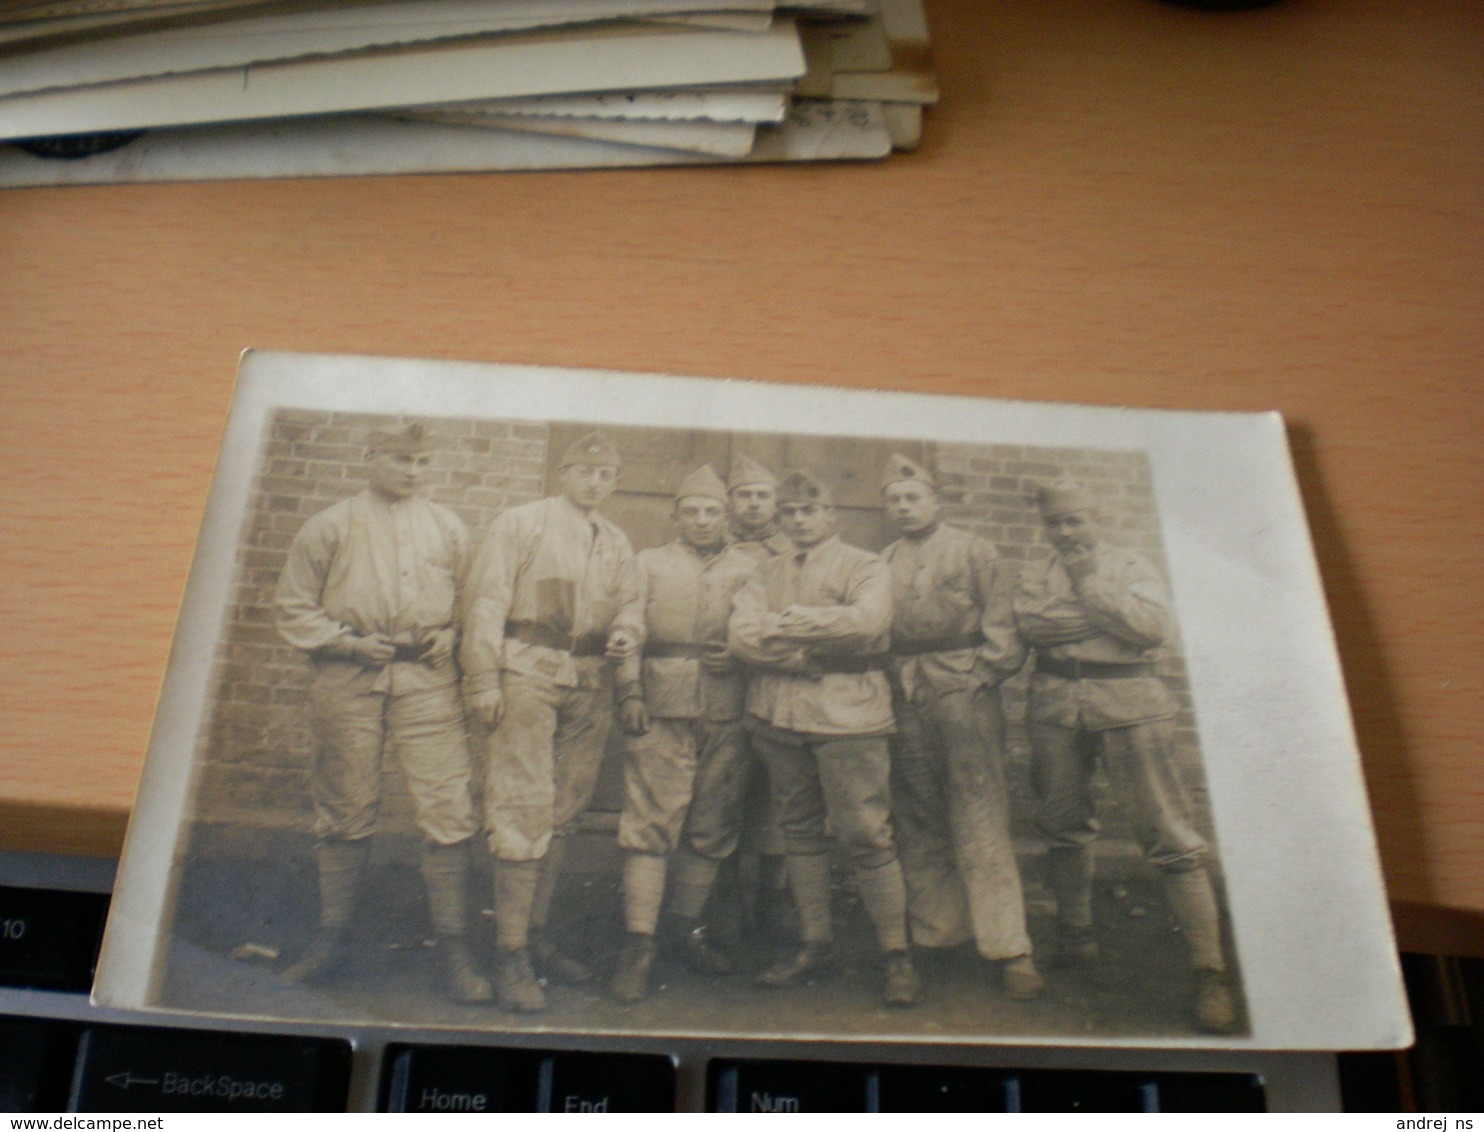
(745, 470)
(801, 487)
(594, 450)
(899, 469)
(406, 441)
(1064, 497)
(703, 482)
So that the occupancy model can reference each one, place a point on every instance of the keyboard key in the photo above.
(915, 1088)
(612, 1082)
(36, 1057)
(461, 1079)
(144, 1069)
(785, 1086)
(1371, 1080)
(1048, 1090)
(1210, 1092)
(49, 939)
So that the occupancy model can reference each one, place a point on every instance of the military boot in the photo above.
(325, 956)
(1020, 979)
(693, 943)
(1193, 904)
(1069, 874)
(902, 986)
(775, 915)
(516, 987)
(1215, 1008)
(445, 870)
(814, 960)
(630, 983)
(549, 960)
(726, 911)
(554, 963)
(340, 865)
(462, 977)
(1075, 947)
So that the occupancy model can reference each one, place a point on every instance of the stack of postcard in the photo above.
(143, 90)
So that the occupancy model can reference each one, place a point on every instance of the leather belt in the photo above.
(1091, 669)
(830, 665)
(955, 643)
(678, 649)
(529, 632)
(411, 654)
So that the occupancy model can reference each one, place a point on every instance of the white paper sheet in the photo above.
(719, 139)
(557, 62)
(359, 145)
(904, 123)
(327, 31)
(887, 86)
(720, 21)
(707, 105)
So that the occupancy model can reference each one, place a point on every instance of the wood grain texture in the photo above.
(1118, 201)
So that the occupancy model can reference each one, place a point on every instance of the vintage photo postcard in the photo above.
(376, 145)
(592, 57)
(527, 700)
(319, 32)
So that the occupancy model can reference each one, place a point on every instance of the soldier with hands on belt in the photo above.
(686, 762)
(814, 624)
(370, 591)
(953, 643)
(1096, 616)
(549, 609)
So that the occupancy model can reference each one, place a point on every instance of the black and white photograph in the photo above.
(640, 718)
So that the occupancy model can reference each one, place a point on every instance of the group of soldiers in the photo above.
(774, 686)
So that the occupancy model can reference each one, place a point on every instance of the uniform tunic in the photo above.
(822, 733)
(769, 542)
(838, 599)
(954, 637)
(692, 766)
(1130, 719)
(762, 830)
(368, 566)
(547, 581)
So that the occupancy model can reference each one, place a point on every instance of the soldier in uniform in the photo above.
(815, 625)
(686, 761)
(1096, 616)
(550, 608)
(370, 591)
(953, 643)
(752, 500)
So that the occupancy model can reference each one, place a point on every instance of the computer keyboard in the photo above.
(58, 1052)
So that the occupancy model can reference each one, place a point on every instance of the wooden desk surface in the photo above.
(1117, 202)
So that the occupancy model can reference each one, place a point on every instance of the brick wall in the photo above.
(257, 748)
(990, 489)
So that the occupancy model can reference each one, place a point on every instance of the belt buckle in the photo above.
(413, 653)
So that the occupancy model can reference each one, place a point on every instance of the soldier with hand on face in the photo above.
(814, 625)
(953, 643)
(686, 761)
(1096, 616)
(549, 610)
(370, 592)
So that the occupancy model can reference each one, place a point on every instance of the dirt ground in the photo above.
(246, 906)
